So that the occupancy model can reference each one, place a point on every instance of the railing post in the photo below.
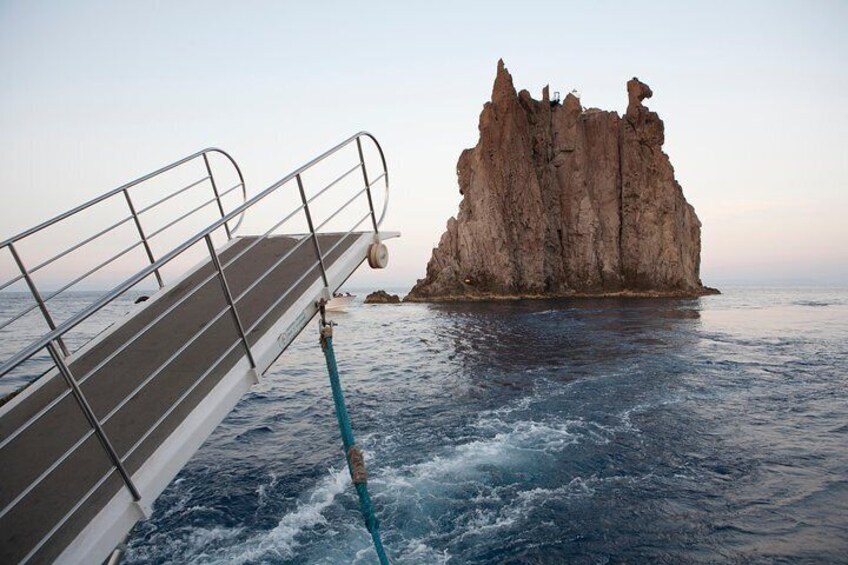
(217, 195)
(37, 296)
(229, 297)
(143, 238)
(312, 230)
(92, 420)
(367, 184)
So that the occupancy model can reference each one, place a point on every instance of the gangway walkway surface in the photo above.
(86, 448)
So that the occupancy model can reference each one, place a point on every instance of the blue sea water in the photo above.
(562, 431)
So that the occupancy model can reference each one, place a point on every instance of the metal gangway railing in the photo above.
(135, 216)
(60, 355)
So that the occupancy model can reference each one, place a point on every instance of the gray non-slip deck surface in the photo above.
(64, 426)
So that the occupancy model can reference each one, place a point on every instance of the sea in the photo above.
(591, 431)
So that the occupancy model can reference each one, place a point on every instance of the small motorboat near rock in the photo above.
(340, 301)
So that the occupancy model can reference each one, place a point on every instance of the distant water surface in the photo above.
(580, 431)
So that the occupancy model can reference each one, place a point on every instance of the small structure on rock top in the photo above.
(562, 201)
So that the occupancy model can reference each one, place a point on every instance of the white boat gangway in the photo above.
(99, 428)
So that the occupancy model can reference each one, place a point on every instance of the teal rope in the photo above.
(366, 507)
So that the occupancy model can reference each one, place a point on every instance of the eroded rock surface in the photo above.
(558, 201)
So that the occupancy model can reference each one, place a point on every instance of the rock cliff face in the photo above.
(560, 201)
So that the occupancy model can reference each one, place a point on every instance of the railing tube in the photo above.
(143, 237)
(312, 230)
(229, 297)
(238, 211)
(92, 420)
(37, 296)
(367, 184)
(217, 196)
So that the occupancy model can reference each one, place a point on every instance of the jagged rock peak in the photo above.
(636, 92)
(503, 86)
(561, 201)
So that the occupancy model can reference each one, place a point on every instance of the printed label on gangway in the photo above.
(294, 328)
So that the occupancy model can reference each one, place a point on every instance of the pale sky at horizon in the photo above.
(753, 98)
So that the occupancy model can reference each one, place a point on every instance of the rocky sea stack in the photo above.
(561, 201)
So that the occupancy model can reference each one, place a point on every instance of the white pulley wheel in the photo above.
(378, 256)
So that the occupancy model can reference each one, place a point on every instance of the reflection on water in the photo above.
(539, 431)
(579, 431)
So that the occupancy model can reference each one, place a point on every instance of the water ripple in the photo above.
(581, 431)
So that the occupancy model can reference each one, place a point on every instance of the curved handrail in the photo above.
(241, 180)
(291, 176)
(26, 273)
(153, 267)
(120, 189)
(385, 172)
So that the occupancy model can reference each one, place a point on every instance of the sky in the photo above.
(753, 96)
